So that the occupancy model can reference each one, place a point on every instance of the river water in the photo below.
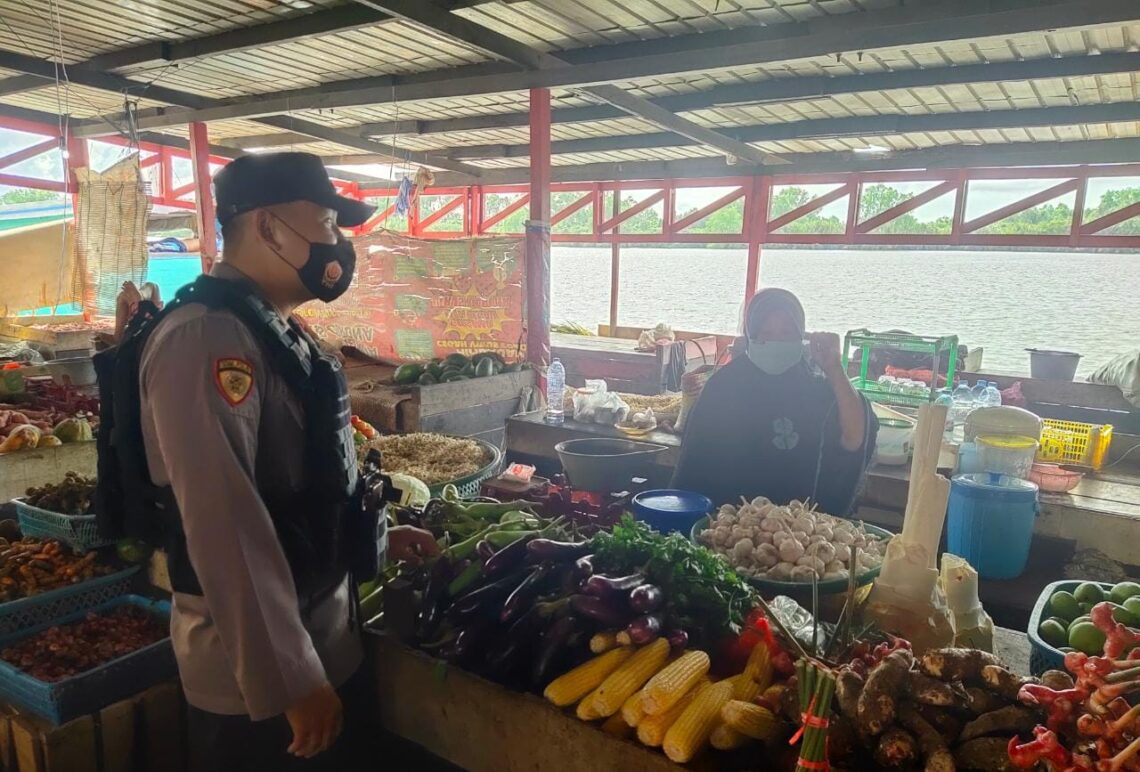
(1002, 301)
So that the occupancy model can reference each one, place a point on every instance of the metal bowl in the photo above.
(604, 464)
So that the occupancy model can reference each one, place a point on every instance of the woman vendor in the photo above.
(781, 420)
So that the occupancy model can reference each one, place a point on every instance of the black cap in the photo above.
(257, 180)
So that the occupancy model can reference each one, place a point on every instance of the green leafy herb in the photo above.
(703, 594)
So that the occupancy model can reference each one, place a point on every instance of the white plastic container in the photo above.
(1008, 455)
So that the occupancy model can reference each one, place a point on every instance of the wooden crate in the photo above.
(476, 408)
(146, 733)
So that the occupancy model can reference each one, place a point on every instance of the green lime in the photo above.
(1089, 592)
(1061, 621)
(1124, 616)
(1133, 605)
(1086, 608)
(1123, 591)
(1064, 605)
(133, 550)
(1086, 637)
(1078, 620)
(1053, 633)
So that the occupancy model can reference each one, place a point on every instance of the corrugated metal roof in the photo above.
(403, 49)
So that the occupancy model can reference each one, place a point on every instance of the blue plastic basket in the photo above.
(95, 689)
(78, 531)
(17, 615)
(1043, 656)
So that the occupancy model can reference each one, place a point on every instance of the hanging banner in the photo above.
(417, 299)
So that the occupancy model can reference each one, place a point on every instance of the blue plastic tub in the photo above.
(1044, 656)
(20, 614)
(61, 701)
(990, 523)
(670, 511)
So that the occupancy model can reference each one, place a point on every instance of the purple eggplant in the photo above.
(553, 643)
(604, 586)
(485, 598)
(522, 596)
(549, 550)
(678, 639)
(431, 606)
(646, 598)
(601, 610)
(643, 629)
(507, 558)
(584, 567)
(470, 643)
(484, 549)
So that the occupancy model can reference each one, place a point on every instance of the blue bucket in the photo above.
(670, 510)
(990, 523)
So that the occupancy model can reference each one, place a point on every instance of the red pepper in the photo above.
(1061, 704)
(1043, 747)
(1119, 640)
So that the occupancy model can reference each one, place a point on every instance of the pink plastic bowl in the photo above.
(1053, 479)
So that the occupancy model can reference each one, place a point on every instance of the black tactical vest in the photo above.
(315, 526)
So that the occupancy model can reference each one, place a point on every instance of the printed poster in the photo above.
(417, 299)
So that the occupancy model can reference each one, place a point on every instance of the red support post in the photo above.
(203, 195)
(615, 260)
(538, 233)
(755, 230)
(166, 187)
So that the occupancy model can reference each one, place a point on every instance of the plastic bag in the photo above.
(598, 405)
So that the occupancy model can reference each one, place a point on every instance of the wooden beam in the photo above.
(439, 214)
(897, 211)
(633, 211)
(569, 209)
(811, 206)
(1017, 154)
(693, 217)
(826, 128)
(436, 19)
(997, 215)
(916, 23)
(791, 89)
(279, 30)
(29, 152)
(1110, 219)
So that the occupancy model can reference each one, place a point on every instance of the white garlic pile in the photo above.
(789, 543)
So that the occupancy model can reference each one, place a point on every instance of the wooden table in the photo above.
(483, 727)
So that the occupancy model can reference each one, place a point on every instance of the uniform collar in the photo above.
(227, 272)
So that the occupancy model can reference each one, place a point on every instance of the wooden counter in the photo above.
(483, 727)
(619, 363)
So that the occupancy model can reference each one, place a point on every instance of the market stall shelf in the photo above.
(484, 727)
(620, 364)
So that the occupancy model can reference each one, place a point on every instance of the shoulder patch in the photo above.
(234, 378)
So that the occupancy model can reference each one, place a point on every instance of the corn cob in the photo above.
(615, 725)
(750, 720)
(651, 729)
(632, 710)
(759, 666)
(586, 710)
(665, 688)
(725, 738)
(771, 697)
(573, 686)
(602, 642)
(744, 688)
(631, 676)
(691, 731)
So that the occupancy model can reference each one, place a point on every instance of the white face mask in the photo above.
(775, 357)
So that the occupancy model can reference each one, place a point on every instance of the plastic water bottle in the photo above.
(963, 402)
(991, 397)
(555, 392)
(947, 400)
(977, 391)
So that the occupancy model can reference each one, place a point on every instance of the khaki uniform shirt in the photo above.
(218, 425)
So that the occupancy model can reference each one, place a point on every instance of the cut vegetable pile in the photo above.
(432, 458)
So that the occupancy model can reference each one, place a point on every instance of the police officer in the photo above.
(231, 412)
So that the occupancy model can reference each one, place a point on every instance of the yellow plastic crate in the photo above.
(1072, 442)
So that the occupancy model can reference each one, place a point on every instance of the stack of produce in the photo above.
(31, 566)
(67, 650)
(669, 701)
(949, 709)
(1089, 723)
(71, 496)
(790, 542)
(432, 458)
(1069, 625)
(24, 429)
(455, 367)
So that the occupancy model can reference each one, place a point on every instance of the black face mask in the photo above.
(329, 269)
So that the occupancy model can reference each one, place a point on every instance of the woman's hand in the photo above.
(825, 352)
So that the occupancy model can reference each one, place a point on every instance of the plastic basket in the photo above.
(93, 690)
(1072, 442)
(24, 613)
(1043, 656)
(469, 486)
(77, 531)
